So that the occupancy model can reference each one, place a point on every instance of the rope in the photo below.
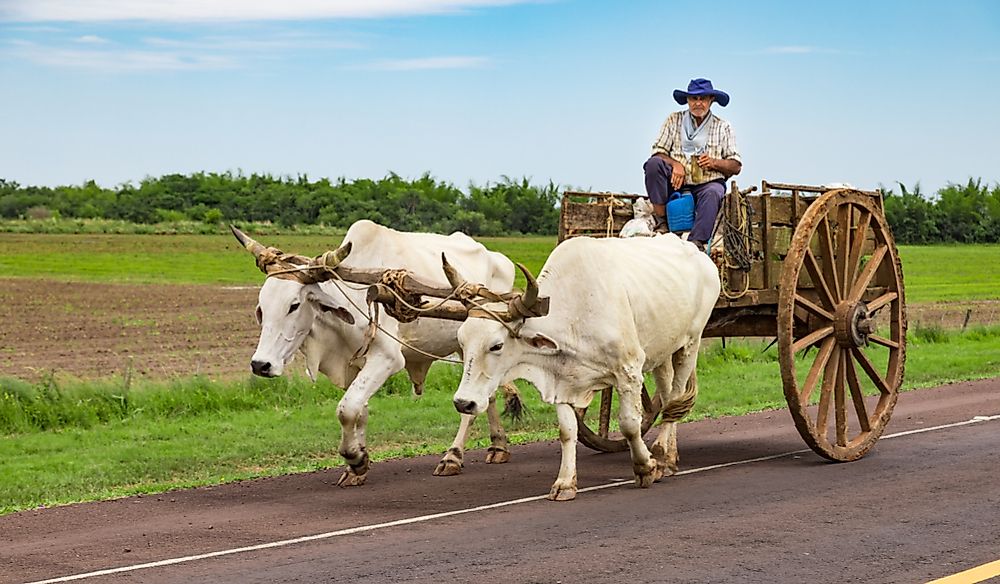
(466, 293)
(737, 243)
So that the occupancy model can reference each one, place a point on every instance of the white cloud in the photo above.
(427, 63)
(226, 10)
(279, 42)
(792, 50)
(91, 39)
(116, 61)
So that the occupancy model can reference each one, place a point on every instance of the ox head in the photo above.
(290, 301)
(495, 341)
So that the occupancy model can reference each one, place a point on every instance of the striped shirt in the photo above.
(721, 143)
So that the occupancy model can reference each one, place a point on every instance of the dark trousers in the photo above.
(707, 196)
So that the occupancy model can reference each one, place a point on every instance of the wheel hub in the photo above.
(852, 324)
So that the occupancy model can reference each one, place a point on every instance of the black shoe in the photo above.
(661, 225)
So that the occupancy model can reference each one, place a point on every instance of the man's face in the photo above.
(699, 105)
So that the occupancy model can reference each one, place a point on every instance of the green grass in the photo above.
(185, 259)
(935, 273)
(931, 273)
(87, 441)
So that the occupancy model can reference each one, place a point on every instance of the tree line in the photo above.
(507, 207)
(968, 213)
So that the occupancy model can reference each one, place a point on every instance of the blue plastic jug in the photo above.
(680, 211)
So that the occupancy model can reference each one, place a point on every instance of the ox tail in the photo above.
(513, 405)
(680, 406)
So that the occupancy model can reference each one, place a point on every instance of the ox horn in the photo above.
(530, 296)
(332, 259)
(259, 251)
(454, 278)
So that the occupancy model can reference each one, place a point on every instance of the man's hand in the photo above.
(677, 174)
(706, 162)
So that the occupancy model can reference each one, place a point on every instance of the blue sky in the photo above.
(574, 91)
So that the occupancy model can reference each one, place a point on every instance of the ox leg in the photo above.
(452, 462)
(683, 392)
(630, 420)
(564, 489)
(498, 453)
(352, 411)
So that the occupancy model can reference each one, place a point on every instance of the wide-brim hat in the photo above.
(701, 87)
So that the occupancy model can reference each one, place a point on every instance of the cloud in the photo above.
(791, 50)
(427, 63)
(280, 42)
(91, 39)
(116, 61)
(226, 10)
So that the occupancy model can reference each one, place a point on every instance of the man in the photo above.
(696, 151)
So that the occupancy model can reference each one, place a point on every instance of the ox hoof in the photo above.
(350, 479)
(495, 455)
(558, 494)
(647, 475)
(448, 468)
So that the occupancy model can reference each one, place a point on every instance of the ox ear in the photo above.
(542, 343)
(325, 303)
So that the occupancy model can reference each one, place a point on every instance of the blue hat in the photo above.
(701, 87)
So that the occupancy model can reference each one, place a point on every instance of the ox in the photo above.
(300, 309)
(618, 308)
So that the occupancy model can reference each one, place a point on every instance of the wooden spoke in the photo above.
(812, 338)
(821, 360)
(816, 274)
(860, 235)
(869, 368)
(812, 307)
(829, 270)
(865, 278)
(829, 377)
(857, 395)
(838, 399)
(845, 213)
(604, 422)
(883, 341)
(882, 301)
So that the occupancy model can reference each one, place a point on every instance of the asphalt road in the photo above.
(920, 506)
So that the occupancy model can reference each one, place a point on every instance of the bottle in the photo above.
(697, 176)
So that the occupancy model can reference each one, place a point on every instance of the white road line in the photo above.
(433, 516)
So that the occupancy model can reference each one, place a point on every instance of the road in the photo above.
(924, 504)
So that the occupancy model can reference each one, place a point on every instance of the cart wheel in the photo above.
(600, 439)
(849, 305)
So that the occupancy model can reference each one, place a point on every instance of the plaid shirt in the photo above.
(721, 143)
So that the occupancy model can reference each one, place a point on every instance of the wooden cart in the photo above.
(815, 268)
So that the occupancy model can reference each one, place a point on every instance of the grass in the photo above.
(931, 273)
(79, 441)
(943, 273)
(185, 259)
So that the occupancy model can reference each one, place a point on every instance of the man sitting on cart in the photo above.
(696, 152)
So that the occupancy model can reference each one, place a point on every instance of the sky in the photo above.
(870, 93)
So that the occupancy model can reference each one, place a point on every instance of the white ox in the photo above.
(300, 309)
(618, 308)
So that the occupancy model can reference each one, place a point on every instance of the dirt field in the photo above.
(95, 330)
(89, 330)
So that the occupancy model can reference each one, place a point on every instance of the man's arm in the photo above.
(727, 167)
